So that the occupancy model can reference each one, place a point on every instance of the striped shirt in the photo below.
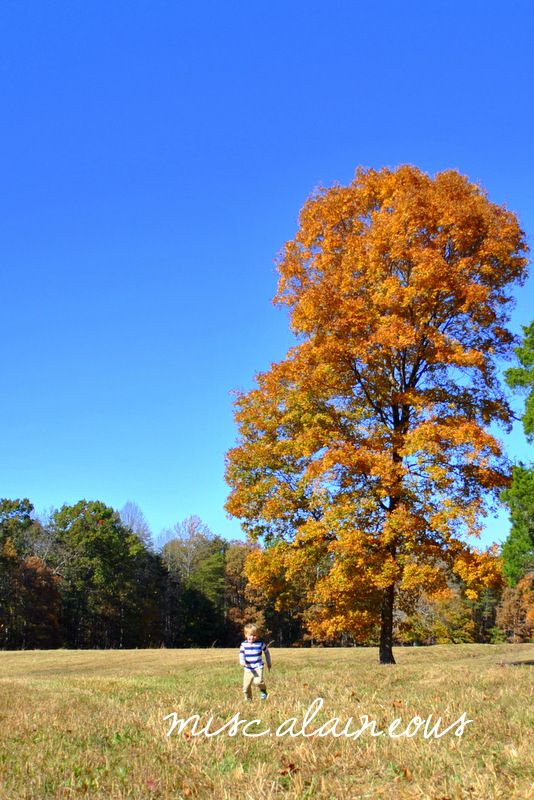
(250, 654)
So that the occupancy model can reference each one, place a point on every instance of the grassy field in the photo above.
(91, 724)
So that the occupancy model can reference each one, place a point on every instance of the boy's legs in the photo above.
(248, 677)
(260, 683)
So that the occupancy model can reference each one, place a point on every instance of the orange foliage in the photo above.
(364, 455)
(515, 615)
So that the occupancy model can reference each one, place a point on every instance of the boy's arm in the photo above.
(242, 661)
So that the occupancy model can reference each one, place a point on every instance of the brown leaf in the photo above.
(288, 769)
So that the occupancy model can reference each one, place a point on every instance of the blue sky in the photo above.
(154, 157)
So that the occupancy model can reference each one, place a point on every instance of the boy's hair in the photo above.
(250, 628)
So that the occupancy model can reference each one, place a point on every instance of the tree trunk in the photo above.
(386, 628)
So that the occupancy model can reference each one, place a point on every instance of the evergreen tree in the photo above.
(518, 550)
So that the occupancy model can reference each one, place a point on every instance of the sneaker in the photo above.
(247, 699)
(263, 695)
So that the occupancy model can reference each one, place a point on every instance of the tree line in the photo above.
(90, 577)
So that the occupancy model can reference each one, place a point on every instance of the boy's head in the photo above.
(251, 632)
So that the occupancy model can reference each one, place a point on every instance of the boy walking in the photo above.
(250, 657)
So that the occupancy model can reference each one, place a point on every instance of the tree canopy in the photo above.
(364, 459)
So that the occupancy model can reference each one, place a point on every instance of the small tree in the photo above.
(194, 557)
(365, 453)
(38, 590)
(242, 603)
(515, 614)
(15, 526)
(132, 516)
(443, 620)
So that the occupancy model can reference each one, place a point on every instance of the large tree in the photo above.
(364, 456)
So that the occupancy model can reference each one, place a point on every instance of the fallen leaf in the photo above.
(288, 769)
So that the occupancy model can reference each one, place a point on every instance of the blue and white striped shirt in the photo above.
(250, 654)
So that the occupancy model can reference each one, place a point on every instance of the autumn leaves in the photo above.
(364, 457)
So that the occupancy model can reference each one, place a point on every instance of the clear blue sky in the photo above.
(154, 157)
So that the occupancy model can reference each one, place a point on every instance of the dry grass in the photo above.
(90, 724)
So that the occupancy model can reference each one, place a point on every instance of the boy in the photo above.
(250, 657)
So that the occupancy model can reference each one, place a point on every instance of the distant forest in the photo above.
(91, 577)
